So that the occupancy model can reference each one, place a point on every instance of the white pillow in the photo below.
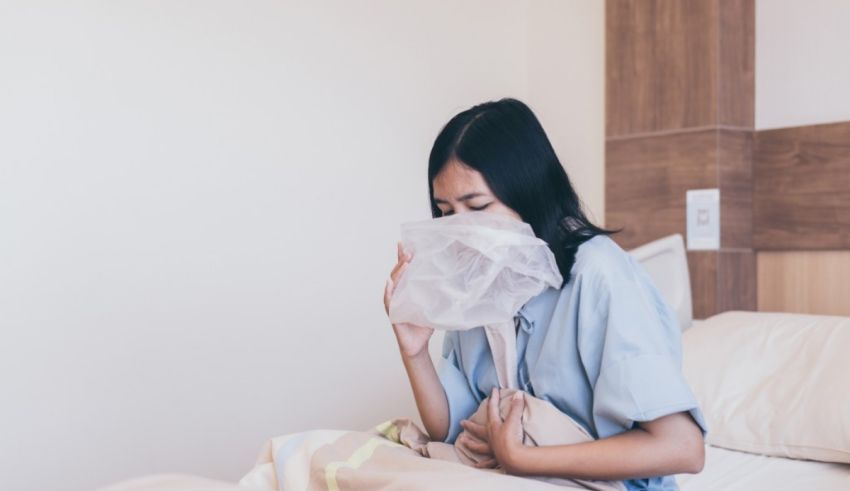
(773, 383)
(666, 262)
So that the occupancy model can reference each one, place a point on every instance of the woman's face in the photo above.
(459, 188)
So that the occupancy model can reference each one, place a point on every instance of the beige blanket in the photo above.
(393, 455)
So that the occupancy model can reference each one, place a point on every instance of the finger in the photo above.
(477, 429)
(397, 266)
(388, 292)
(494, 419)
(476, 446)
(514, 416)
(470, 437)
(398, 272)
(400, 251)
(485, 464)
(395, 271)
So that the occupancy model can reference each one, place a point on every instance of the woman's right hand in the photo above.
(412, 339)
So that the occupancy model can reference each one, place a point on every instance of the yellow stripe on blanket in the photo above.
(389, 430)
(357, 459)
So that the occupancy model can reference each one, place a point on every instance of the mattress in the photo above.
(738, 471)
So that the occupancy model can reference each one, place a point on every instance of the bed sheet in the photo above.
(730, 470)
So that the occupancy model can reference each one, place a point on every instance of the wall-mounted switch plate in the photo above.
(703, 209)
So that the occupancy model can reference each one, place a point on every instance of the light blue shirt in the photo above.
(605, 349)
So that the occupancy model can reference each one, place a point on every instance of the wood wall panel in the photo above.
(673, 65)
(722, 280)
(736, 280)
(736, 64)
(815, 282)
(735, 180)
(802, 188)
(654, 82)
(647, 178)
(702, 267)
(679, 116)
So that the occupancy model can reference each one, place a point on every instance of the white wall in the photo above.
(566, 89)
(802, 62)
(199, 202)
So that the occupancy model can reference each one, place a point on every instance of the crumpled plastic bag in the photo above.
(470, 269)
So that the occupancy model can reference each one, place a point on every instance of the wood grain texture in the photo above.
(735, 180)
(647, 178)
(721, 281)
(801, 188)
(702, 267)
(674, 65)
(680, 109)
(736, 280)
(736, 63)
(813, 282)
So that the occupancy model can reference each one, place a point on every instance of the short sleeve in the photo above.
(462, 401)
(631, 347)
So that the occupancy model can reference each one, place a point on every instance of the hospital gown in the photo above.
(605, 349)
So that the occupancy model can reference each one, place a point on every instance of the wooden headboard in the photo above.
(801, 218)
(680, 111)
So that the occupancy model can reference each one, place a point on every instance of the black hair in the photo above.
(504, 141)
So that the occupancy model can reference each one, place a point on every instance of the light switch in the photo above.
(703, 210)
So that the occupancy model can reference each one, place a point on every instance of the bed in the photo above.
(730, 470)
(726, 470)
(771, 386)
(746, 368)
(792, 423)
(761, 393)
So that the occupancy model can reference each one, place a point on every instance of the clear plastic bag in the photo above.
(470, 269)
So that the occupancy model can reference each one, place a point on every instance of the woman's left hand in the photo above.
(505, 437)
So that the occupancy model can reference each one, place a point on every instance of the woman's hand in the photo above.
(412, 339)
(505, 437)
(477, 439)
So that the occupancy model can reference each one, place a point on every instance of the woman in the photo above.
(604, 348)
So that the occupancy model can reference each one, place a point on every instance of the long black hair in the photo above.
(504, 141)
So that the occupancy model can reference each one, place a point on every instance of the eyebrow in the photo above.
(462, 198)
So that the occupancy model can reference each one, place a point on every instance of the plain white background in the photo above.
(199, 203)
